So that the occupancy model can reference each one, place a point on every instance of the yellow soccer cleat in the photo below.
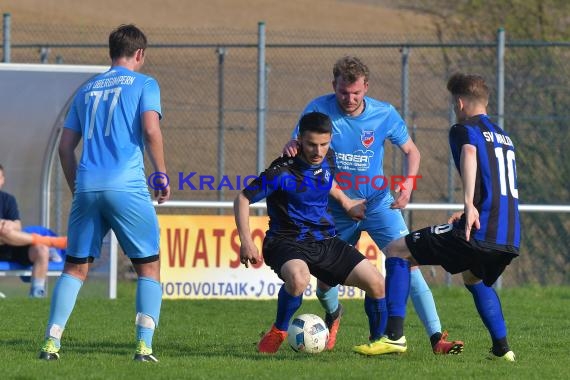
(143, 353)
(49, 350)
(382, 346)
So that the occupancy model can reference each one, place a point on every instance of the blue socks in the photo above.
(423, 302)
(287, 305)
(397, 286)
(148, 302)
(490, 310)
(328, 299)
(377, 316)
(62, 303)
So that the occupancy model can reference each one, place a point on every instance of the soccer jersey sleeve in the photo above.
(459, 136)
(150, 99)
(264, 185)
(72, 119)
(398, 133)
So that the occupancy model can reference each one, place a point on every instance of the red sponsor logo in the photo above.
(347, 181)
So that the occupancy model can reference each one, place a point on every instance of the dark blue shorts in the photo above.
(445, 245)
(330, 260)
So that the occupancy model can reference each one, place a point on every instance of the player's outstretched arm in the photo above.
(468, 164)
(248, 251)
(155, 149)
(404, 190)
(67, 144)
(355, 208)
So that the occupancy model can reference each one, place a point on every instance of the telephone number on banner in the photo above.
(259, 289)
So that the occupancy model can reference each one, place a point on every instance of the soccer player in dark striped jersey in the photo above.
(478, 242)
(301, 240)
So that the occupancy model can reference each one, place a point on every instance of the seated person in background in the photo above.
(22, 247)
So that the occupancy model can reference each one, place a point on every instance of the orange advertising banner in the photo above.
(200, 259)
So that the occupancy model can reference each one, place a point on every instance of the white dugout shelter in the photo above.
(34, 99)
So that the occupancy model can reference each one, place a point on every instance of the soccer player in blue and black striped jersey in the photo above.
(478, 242)
(302, 239)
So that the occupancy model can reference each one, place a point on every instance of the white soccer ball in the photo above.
(308, 333)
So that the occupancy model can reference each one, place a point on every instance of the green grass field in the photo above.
(216, 339)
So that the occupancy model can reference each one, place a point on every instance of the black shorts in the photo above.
(446, 246)
(330, 260)
(16, 254)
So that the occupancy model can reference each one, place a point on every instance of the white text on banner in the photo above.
(200, 259)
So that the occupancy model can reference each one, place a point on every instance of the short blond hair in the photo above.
(350, 68)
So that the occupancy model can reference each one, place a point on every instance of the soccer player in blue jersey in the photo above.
(361, 126)
(116, 114)
(478, 242)
(301, 240)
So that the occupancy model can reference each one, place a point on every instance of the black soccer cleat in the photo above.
(145, 358)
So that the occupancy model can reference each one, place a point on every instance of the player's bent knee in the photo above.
(376, 287)
(297, 282)
(38, 254)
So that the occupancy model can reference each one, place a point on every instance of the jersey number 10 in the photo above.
(509, 173)
(102, 95)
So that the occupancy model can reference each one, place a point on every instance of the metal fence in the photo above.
(215, 97)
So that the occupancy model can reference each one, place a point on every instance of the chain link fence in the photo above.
(209, 85)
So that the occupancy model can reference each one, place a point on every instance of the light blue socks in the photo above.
(148, 303)
(328, 299)
(423, 302)
(62, 303)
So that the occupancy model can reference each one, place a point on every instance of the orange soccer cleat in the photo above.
(333, 325)
(271, 341)
(443, 347)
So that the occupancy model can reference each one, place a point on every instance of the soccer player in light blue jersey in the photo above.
(116, 114)
(361, 125)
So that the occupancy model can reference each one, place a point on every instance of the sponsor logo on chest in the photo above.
(367, 138)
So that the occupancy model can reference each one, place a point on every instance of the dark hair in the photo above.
(315, 122)
(350, 68)
(470, 86)
(125, 41)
